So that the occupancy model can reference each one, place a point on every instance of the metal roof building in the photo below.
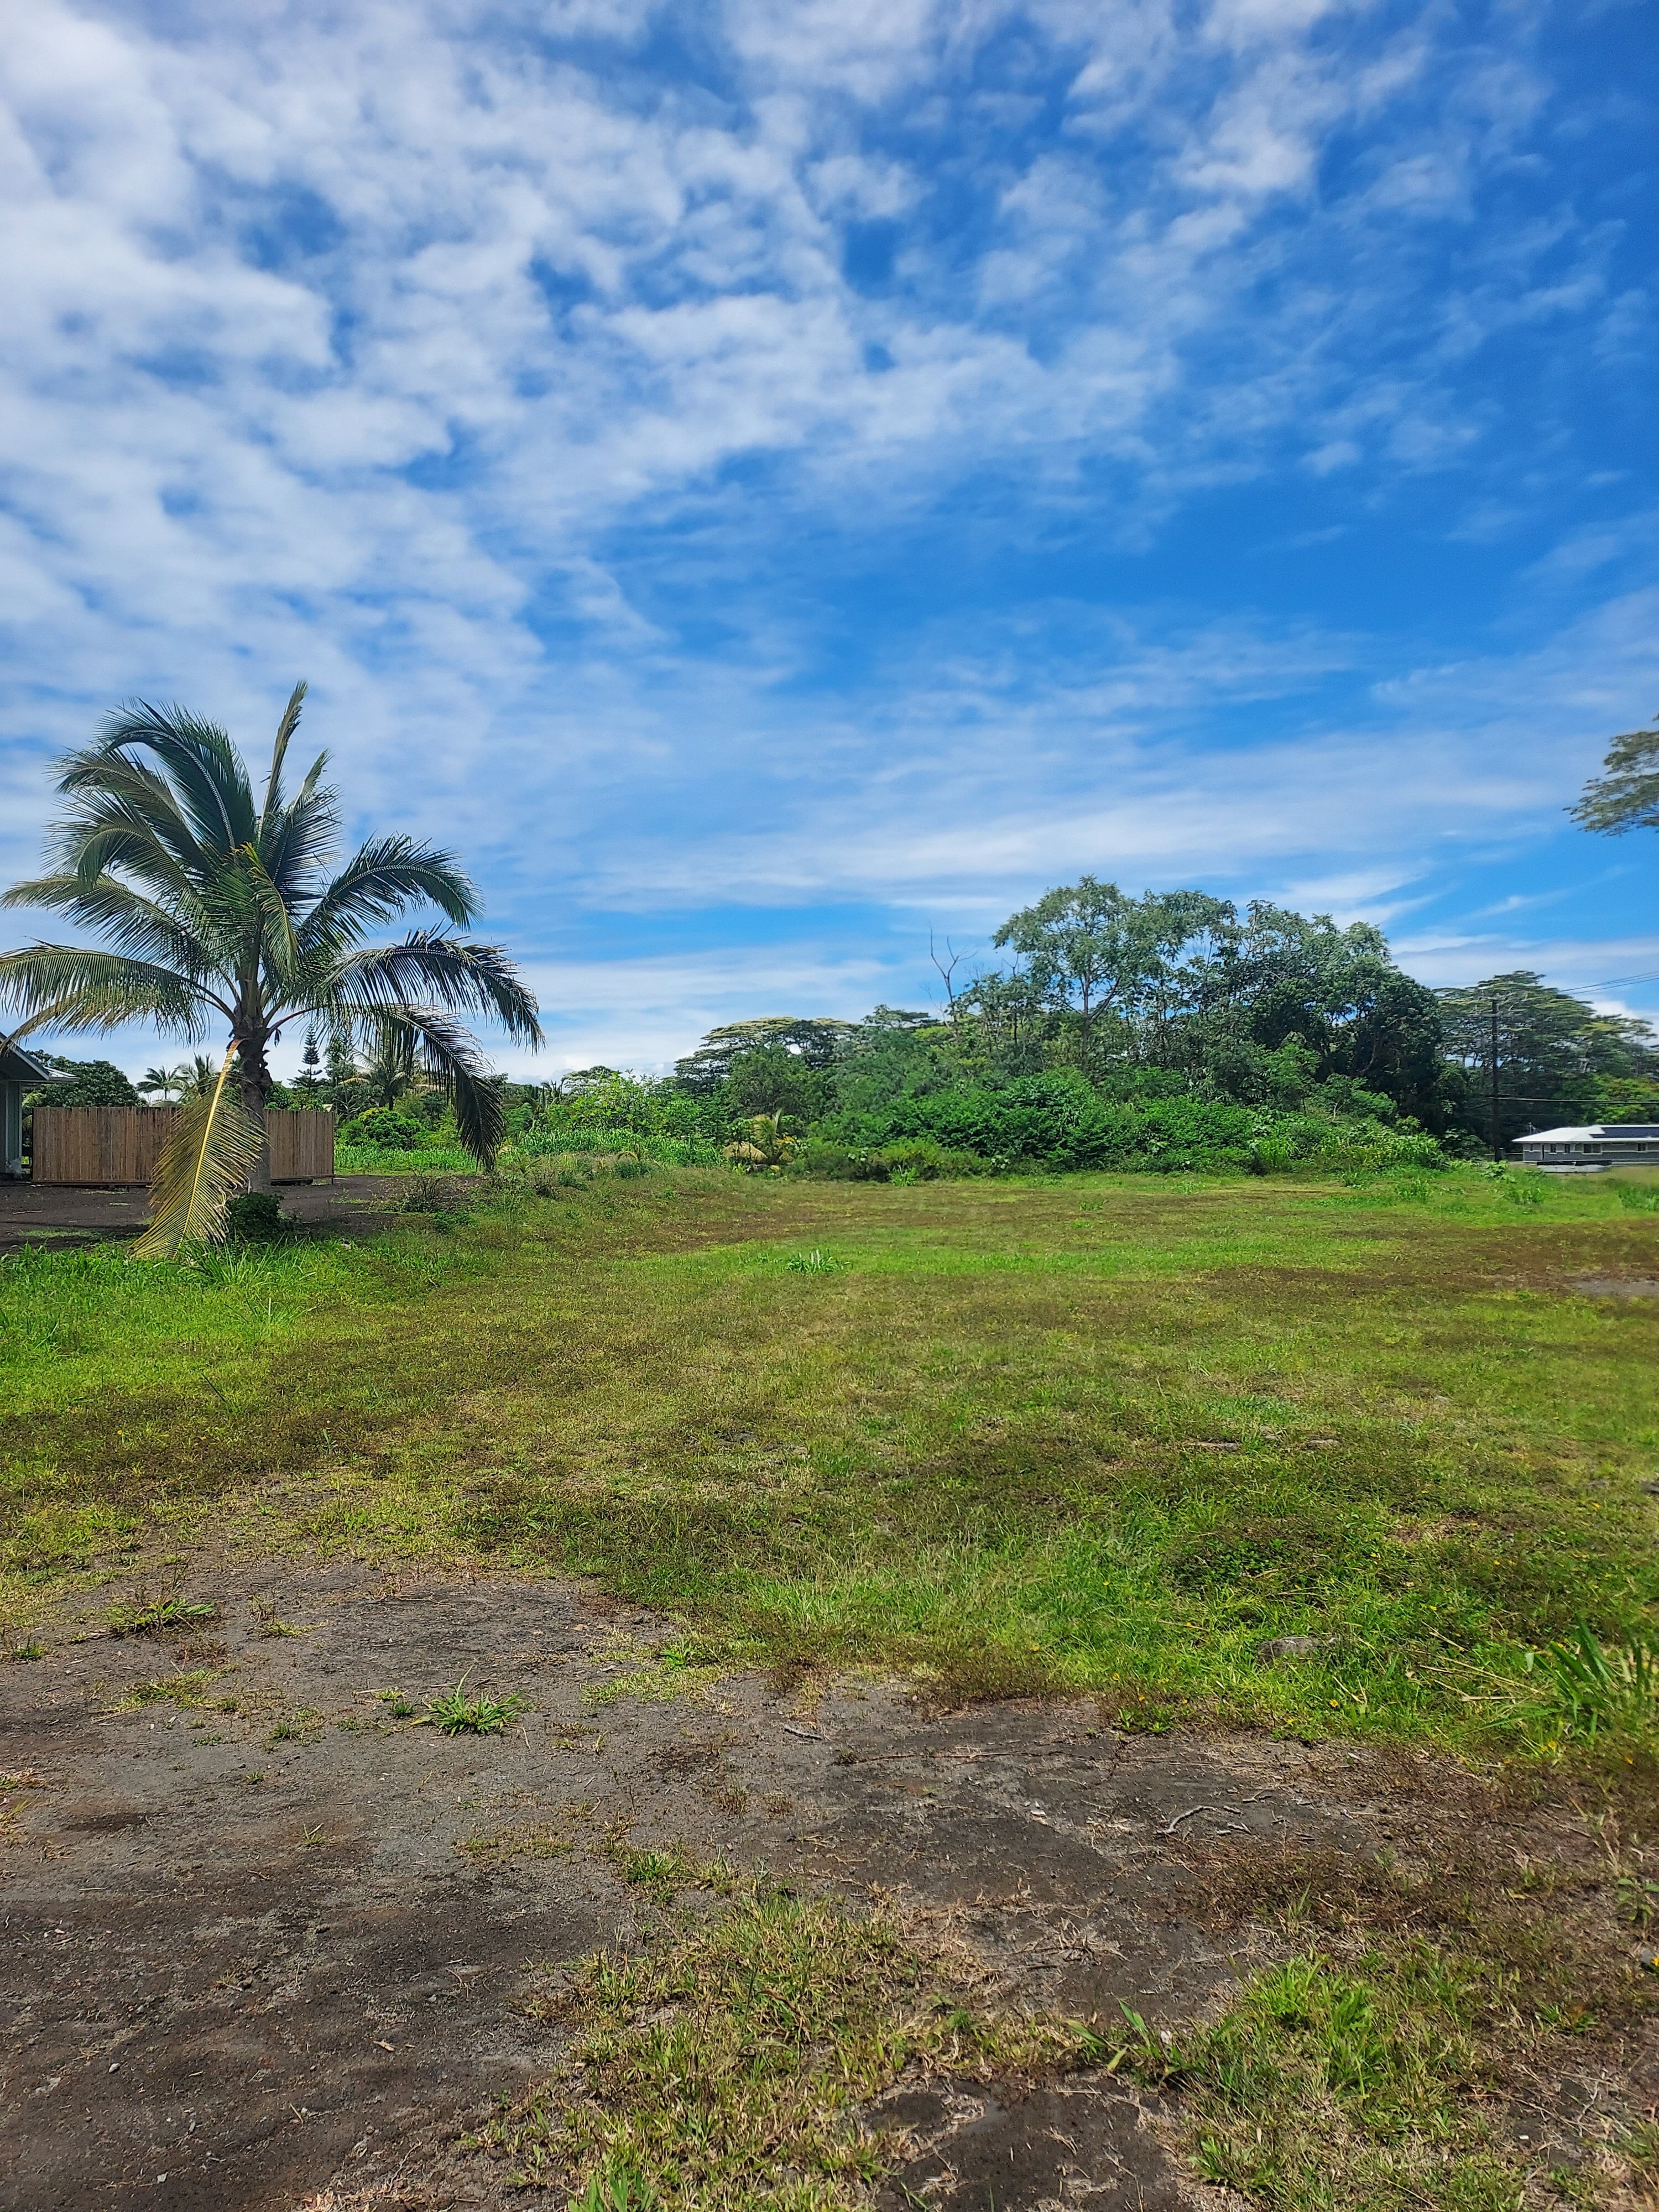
(1592, 1151)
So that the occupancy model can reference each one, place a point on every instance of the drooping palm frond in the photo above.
(453, 970)
(85, 989)
(125, 816)
(212, 1152)
(209, 780)
(135, 925)
(442, 1049)
(379, 880)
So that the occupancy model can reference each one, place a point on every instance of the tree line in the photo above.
(1166, 1029)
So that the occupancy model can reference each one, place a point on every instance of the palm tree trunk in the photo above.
(256, 1092)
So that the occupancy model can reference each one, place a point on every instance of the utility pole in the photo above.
(1497, 1148)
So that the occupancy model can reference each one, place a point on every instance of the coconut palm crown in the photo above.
(217, 907)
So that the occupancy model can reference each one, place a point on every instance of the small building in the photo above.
(19, 1071)
(1593, 1150)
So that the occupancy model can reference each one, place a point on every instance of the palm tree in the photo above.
(389, 1070)
(217, 907)
(163, 1081)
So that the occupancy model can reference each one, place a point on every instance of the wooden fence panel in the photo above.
(301, 1143)
(99, 1145)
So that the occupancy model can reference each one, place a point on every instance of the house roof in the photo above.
(17, 1065)
(1600, 1130)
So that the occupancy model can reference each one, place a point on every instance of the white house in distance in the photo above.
(1594, 1151)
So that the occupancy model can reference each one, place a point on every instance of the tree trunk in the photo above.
(256, 1091)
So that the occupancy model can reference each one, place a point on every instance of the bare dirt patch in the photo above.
(58, 1214)
(267, 1938)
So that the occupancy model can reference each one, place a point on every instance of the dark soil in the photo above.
(57, 1214)
(256, 1956)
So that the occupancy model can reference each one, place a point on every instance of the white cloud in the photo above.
(453, 355)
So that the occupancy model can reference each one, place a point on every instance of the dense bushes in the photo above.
(386, 1129)
(1060, 1122)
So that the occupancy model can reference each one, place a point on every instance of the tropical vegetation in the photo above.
(1168, 1032)
(217, 912)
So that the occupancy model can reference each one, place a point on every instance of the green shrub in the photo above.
(256, 1217)
(383, 1126)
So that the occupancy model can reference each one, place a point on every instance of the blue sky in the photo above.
(767, 478)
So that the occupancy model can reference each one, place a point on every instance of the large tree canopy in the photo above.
(1625, 795)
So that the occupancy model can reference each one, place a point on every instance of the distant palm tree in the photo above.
(164, 1081)
(389, 1070)
(217, 907)
(199, 1075)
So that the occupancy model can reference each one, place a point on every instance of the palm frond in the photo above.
(382, 877)
(285, 729)
(87, 989)
(273, 909)
(124, 814)
(204, 766)
(214, 1147)
(137, 925)
(303, 837)
(454, 971)
(443, 1050)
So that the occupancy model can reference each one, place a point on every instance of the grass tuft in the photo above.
(817, 1261)
(156, 1616)
(457, 1714)
(1592, 1689)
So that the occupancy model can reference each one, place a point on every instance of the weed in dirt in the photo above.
(1360, 2084)
(398, 1707)
(156, 1616)
(184, 1690)
(26, 1651)
(723, 2072)
(267, 1619)
(301, 1726)
(1379, 2064)
(457, 1714)
(529, 1841)
(664, 1872)
(660, 1672)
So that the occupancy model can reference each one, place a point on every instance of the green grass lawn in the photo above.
(1103, 1433)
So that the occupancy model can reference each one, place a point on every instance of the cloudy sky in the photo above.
(764, 479)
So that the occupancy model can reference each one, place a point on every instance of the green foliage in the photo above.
(1556, 1055)
(1625, 795)
(256, 1217)
(457, 1714)
(95, 1083)
(1591, 1689)
(385, 1129)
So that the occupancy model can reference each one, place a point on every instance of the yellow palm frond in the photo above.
(215, 1144)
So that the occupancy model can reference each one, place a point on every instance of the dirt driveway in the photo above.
(252, 1954)
(57, 1214)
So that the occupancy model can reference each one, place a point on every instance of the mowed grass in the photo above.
(1105, 1433)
